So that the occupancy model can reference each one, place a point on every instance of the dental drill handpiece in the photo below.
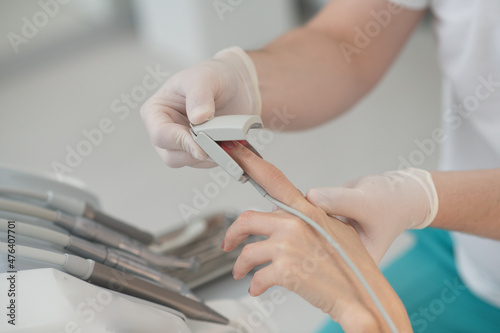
(112, 279)
(93, 231)
(76, 207)
(119, 281)
(100, 253)
(121, 261)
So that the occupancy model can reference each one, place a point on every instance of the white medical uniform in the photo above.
(468, 33)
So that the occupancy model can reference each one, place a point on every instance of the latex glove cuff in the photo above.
(424, 179)
(237, 58)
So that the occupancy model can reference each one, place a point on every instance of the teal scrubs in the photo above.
(436, 299)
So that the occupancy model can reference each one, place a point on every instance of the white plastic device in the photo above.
(225, 128)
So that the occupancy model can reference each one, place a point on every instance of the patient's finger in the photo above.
(252, 255)
(250, 223)
(267, 175)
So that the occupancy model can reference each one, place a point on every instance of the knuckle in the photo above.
(171, 161)
(157, 137)
(295, 225)
(280, 250)
(208, 74)
(258, 279)
(275, 176)
(146, 106)
(245, 219)
(246, 254)
(203, 73)
(284, 249)
(283, 264)
(144, 110)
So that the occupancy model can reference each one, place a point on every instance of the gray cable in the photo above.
(15, 192)
(74, 265)
(35, 254)
(28, 230)
(335, 245)
(27, 209)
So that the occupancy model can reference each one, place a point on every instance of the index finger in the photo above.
(266, 175)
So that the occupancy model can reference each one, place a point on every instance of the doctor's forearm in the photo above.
(319, 71)
(469, 201)
(305, 75)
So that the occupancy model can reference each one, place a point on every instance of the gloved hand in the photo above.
(381, 207)
(302, 260)
(226, 84)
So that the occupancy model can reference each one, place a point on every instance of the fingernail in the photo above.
(249, 290)
(228, 145)
(222, 245)
(196, 154)
(317, 197)
(200, 114)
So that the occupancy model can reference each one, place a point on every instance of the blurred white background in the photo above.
(88, 56)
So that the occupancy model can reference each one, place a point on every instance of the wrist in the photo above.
(243, 64)
(357, 313)
(363, 319)
(358, 319)
(426, 183)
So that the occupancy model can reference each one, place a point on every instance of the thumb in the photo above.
(200, 104)
(340, 201)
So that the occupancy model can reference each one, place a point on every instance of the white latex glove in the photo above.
(226, 84)
(381, 207)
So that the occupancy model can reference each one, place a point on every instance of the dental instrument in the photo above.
(76, 207)
(181, 236)
(100, 253)
(214, 262)
(236, 127)
(93, 231)
(113, 279)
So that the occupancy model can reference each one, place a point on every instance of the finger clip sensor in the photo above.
(225, 128)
